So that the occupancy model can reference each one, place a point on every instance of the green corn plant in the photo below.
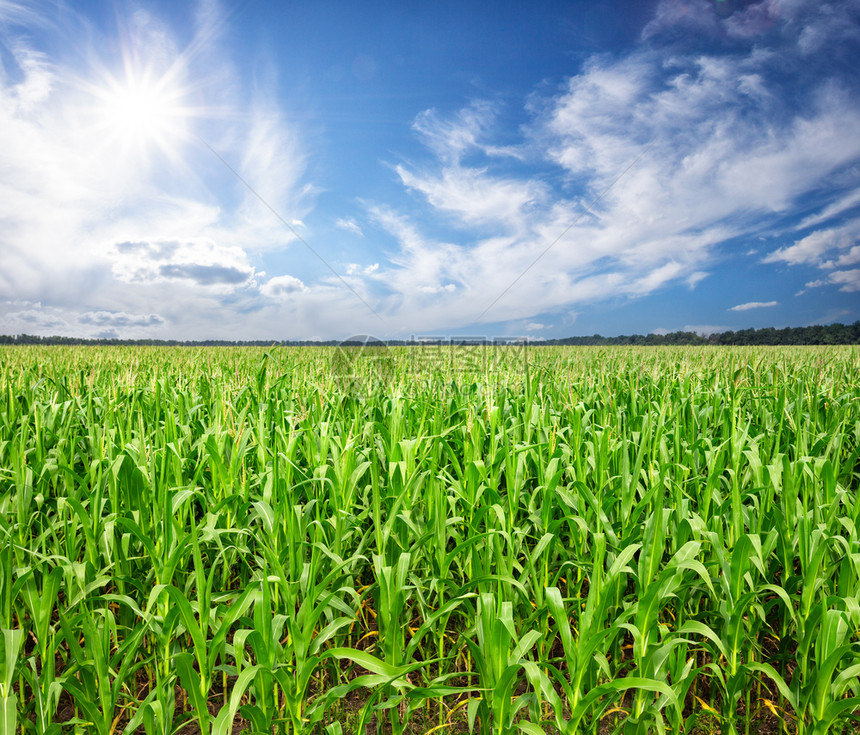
(263, 642)
(651, 648)
(40, 673)
(198, 682)
(739, 615)
(316, 614)
(102, 669)
(817, 694)
(586, 697)
(500, 659)
(392, 594)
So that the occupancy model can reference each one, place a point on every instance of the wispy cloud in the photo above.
(847, 280)
(274, 165)
(815, 246)
(350, 225)
(754, 305)
(845, 204)
(470, 130)
(17, 13)
(475, 197)
(830, 250)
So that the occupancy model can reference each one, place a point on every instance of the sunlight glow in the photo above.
(141, 111)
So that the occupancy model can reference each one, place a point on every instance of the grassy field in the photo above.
(552, 540)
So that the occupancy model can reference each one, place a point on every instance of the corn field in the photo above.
(500, 540)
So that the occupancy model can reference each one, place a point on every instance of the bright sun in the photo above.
(139, 111)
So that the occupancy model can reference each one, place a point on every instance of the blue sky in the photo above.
(261, 170)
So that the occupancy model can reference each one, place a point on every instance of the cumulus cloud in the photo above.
(754, 305)
(849, 257)
(356, 269)
(205, 275)
(201, 261)
(37, 318)
(813, 23)
(49, 320)
(282, 287)
(848, 280)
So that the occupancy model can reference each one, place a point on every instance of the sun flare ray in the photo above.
(141, 111)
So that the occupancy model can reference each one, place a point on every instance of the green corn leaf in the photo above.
(9, 714)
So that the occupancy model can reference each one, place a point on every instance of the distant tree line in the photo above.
(829, 334)
(31, 339)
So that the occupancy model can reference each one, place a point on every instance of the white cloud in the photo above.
(350, 225)
(475, 197)
(353, 269)
(17, 13)
(48, 320)
(847, 280)
(691, 15)
(274, 165)
(813, 247)
(40, 320)
(694, 278)
(814, 24)
(447, 288)
(200, 261)
(830, 250)
(451, 138)
(846, 203)
(848, 258)
(754, 305)
(282, 287)
(119, 319)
